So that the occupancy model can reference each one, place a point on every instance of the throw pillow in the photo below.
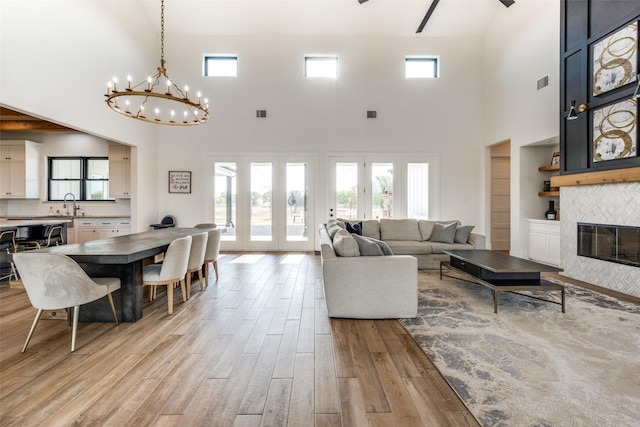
(332, 229)
(354, 227)
(462, 234)
(345, 245)
(443, 233)
(366, 246)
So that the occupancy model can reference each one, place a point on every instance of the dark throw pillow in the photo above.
(462, 233)
(444, 233)
(354, 227)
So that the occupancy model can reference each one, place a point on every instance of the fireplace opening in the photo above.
(615, 243)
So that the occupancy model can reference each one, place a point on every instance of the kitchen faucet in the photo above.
(75, 207)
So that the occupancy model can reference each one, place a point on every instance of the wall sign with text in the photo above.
(179, 181)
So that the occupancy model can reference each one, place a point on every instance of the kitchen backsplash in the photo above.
(28, 208)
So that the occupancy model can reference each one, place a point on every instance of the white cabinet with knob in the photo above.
(86, 230)
(19, 169)
(119, 171)
(544, 241)
(101, 228)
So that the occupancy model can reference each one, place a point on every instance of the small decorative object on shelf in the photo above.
(555, 159)
(546, 186)
(551, 213)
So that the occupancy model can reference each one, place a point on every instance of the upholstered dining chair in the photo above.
(196, 259)
(170, 271)
(212, 253)
(206, 225)
(51, 236)
(55, 281)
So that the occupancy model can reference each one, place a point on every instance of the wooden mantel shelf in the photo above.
(594, 178)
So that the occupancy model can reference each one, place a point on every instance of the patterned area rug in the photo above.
(531, 365)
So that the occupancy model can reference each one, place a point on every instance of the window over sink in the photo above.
(87, 178)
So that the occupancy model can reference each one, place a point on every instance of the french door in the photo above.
(264, 201)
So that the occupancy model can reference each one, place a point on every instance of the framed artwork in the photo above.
(179, 181)
(615, 60)
(555, 159)
(615, 131)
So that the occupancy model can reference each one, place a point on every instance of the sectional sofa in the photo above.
(360, 285)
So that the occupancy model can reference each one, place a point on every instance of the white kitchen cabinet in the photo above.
(86, 230)
(119, 171)
(19, 169)
(113, 227)
(544, 241)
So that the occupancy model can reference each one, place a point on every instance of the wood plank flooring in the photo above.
(255, 348)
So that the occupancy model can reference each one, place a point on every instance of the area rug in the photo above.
(531, 365)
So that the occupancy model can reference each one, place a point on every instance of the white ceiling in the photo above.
(324, 17)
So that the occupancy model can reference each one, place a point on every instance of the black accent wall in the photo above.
(583, 24)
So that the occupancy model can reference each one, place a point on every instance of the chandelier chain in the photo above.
(162, 33)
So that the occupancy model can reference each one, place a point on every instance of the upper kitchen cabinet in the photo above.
(119, 171)
(19, 169)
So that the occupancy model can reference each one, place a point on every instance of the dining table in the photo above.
(123, 257)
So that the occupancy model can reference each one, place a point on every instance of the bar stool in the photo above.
(51, 236)
(7, 249)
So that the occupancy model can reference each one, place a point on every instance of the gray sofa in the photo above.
(377, 287)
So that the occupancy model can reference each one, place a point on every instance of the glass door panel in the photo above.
(381, 190)
(346, 188)
(261, 195)
(296, 208)
(418, 190)
(225, 197)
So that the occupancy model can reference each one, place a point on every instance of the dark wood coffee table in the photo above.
(501, 273)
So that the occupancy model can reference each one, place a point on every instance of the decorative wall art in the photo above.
(179, 181)
(615, 60)
(614, 131)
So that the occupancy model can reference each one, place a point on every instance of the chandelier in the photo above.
(158, 99)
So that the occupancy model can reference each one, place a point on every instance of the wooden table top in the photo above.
(499, 262)
(123, 249)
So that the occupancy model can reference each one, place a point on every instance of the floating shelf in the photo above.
(549, 193)
(550, 168)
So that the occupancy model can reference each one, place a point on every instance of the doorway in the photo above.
(501, 197)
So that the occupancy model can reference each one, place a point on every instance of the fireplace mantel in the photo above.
(594, 178)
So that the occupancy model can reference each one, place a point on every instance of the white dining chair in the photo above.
(196, 259)
(55, 281)
(212, 253)
(170, 271)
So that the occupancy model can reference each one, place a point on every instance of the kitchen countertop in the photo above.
(69, 217)
(12, 223)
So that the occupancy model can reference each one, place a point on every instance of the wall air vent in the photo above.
(261, 113)
(543, 82)
(372, 114)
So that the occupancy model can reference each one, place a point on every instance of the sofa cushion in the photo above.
(371, 228)
(409, 247)
(354, 227)
(462, 233)
(333, 228)
(444, 233)
(437, 248)
(369, 246)
(345, 245)
(426, 227)
(399, 229)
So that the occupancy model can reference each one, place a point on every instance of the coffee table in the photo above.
(501, 273)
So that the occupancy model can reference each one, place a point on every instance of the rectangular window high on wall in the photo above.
(221, 66)
(422, 67)
(322, 66)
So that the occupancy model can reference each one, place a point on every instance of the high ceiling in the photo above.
(451, 18)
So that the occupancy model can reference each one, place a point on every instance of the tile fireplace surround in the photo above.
(617, 203)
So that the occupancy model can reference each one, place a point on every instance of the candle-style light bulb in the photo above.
(157, 113)
(149, 84)
(115, 84)
(128, 82)
(185, 117)
(186, 92)
(126, 103)
(109, 86)
(168, 87)
(142, 111)
(173, 113)
(199, 95)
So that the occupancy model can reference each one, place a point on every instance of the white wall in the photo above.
(57, 57)
(325, 116)
(521, 47)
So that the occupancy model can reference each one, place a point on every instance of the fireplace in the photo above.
(615, 243)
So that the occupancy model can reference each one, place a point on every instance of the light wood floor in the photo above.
(255, 348)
